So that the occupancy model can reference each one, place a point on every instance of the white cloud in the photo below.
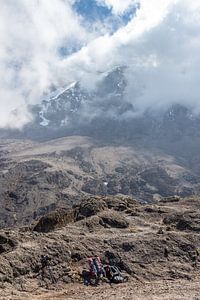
(118, 7)
(170, 74)
(106, 51)
(31, 33)
(160, 45)
(161, 48)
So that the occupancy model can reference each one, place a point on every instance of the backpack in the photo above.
(92, 267)
(117, 275)
(98, 264)
(95, 266)
(115, 270)
(118, 279)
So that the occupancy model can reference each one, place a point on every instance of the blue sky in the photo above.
(91, 11)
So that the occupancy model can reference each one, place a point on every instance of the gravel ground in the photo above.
(158, 290)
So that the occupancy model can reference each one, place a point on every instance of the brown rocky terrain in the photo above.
(157, 245)
(39, 177)
(54, 201)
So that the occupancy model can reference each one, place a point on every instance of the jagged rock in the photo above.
(116, 203)
(93, 223)
(6, 244)
(55, 220)
(171, 199)
(6, 271)
(90, 207)
(113, 219)
(184, 221)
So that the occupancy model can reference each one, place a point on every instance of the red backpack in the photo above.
(95, 265)
(92, 267)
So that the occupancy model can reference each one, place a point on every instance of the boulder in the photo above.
(55, 220)
(6, 244)
(171, 199)
(113, 219)
(188, 221)
(90, 207)
(119, 204)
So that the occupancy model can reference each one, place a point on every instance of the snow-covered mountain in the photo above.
(58, 110)
(64, 106)
(75, 107)
(106, 114)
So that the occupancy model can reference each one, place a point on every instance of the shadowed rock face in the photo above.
(6, 244)
(29, 190)
(189, 221)
(90, 207)
(113, 219)
(55, 219)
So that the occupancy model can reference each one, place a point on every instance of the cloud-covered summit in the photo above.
(48, 44)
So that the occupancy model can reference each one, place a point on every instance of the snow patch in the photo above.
(44, 122)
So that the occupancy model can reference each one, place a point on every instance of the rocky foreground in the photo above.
(156, 245)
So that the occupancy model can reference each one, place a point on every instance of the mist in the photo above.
(159, 45)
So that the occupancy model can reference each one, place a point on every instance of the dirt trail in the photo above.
(158, 290)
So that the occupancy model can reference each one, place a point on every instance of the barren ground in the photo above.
(158, 290)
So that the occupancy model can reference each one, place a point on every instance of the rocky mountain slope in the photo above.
(156, 245)
(36, 178)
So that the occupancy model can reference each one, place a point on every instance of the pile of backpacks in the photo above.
(97, 271)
